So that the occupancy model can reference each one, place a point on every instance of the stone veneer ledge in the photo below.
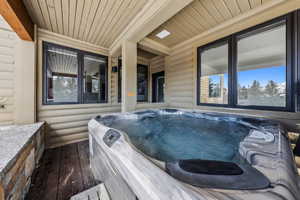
(21, 148)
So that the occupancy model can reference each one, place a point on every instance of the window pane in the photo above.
(214, 75)
(261, 69)
(142, 83)
(94, 76)
(160, 88)
(62, 75)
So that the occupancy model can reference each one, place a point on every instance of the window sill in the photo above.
(250, 112)
(76, 106)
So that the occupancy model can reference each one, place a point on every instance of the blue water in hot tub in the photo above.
(179, 137)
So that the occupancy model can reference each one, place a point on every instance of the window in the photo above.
(94, 77)
(61, 75)
(72, 76)
(158, 86)
(250, 69)
(261, 68)
(214, 74)
(142, 83)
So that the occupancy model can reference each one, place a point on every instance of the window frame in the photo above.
(80, 78)
(147, 87)
(120, 82)
(232, 64)
(154, 86)
(297, 59)
(200, 50)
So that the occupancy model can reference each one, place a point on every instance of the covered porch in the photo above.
(64, 63)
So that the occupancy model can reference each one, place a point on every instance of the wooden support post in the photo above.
(129, 76)
(25, 83)
(16, 15)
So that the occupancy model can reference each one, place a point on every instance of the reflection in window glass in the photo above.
(214, 75)
(94, 79)
(62, 76)
(214, 86)
(142, 83)
(261, 68)
(160, 83)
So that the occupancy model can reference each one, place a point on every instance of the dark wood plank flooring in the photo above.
(63, 172)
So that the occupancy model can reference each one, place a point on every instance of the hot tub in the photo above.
(184, 154)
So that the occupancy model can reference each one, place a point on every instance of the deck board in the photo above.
(37, 187)
(63, 172)
(52, 169)
(88, 179)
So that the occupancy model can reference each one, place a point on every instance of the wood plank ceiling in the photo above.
(95, 21)
(200, 16)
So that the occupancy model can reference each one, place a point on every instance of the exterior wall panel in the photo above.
(8, 41)
(68, 123)
(181, 87)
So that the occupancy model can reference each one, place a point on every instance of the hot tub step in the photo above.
(98, 192)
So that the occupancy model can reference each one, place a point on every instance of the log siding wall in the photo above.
(8, 42)
(181, 77)
(68, 123)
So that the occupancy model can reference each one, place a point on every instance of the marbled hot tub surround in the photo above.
(144, 177)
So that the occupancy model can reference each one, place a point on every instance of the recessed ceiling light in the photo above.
(163, 34)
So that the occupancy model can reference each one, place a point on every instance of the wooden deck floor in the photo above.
(63, 172)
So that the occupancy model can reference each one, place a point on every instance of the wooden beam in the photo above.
(154, 13)
(152, 46)
(16, 15)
